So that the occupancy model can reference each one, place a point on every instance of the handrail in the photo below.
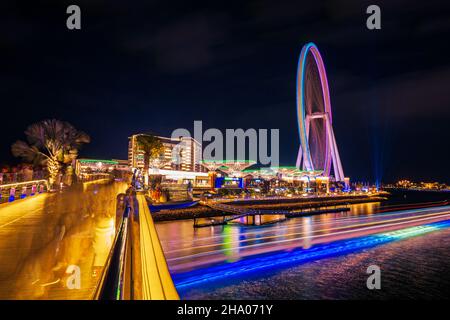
(15, 184)
(110, 284)
(157, 283)
(136, 268)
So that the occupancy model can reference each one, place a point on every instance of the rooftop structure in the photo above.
(232, 168)
(280, 172)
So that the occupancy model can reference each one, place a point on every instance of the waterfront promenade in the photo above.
(44, 234)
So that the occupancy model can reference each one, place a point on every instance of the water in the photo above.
(411, 196)
(417, 267)
(410, 269)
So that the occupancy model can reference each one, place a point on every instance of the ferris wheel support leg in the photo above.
(328, 159)
(299, 158)
(307, 165)
(338, 171)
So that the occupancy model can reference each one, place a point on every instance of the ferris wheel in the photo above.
(318, 150)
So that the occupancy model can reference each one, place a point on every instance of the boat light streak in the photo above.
(284, 258)
(362, 227)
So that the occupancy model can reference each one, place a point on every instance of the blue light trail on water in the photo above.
(271, 261)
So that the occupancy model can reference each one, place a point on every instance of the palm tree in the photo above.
(50, 142)
(153, 149)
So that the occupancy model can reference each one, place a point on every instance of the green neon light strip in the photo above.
(97, 160)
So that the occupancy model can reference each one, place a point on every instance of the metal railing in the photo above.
(136, 268)
(111, 281)
(19, 190)
(17, 177)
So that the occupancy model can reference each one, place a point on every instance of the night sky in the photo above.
(138, 66)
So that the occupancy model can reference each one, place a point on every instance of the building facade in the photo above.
(182, 154)
(87, 167)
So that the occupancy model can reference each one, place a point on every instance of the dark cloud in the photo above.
(415, 94)
(187, 44)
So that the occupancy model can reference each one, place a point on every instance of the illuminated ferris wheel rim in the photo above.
(301, 105)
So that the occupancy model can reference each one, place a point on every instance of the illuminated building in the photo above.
(347, 183)
(404, 184)
(233, 169)
(181, 154)
(84, 167)
(323, 184)
(180, 161)
(407, 184)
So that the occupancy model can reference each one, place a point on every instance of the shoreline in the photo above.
(202, 211)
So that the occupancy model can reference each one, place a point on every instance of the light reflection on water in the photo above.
(342, 277)
(180, 235)
(415, 268)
